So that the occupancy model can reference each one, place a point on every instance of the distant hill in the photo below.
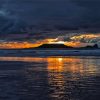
(62, 46)
(53, 46)
(91, 47)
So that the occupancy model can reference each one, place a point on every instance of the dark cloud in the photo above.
(49, 14)
(91, 16)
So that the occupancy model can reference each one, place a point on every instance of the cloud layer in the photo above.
(49, 14)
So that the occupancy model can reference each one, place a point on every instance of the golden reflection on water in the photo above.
(62, 64)
(63, 70)
(55, 77)
(74, 65)
(55, 64)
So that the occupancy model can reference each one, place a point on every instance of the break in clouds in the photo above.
(34, 15)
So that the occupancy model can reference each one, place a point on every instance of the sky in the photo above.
(52, 14)
(38, 16)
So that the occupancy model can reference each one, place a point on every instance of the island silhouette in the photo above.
(51, 46)
(62, 46)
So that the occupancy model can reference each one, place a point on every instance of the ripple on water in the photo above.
(52, 78)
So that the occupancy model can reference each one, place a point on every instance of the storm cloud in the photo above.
(49, 14)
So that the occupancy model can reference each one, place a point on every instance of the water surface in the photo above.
(51, 78)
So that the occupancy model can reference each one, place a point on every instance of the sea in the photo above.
(49, 77)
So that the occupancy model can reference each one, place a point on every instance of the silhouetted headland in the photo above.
(62, 46)
(53, 46)
(90, 47)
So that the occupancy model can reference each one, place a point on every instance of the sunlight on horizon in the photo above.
(75, 41)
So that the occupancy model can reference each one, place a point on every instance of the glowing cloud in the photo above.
(87, 38)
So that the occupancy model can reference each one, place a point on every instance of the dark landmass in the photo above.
(62, 46)
(91, 47)
(53, 46)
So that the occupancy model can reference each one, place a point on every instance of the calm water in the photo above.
(52, 78)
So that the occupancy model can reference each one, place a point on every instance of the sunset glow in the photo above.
(59, 42)
(75, 41)
(18, 45)
(86, 38)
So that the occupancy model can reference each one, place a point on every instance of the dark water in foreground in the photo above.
(52, 78)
